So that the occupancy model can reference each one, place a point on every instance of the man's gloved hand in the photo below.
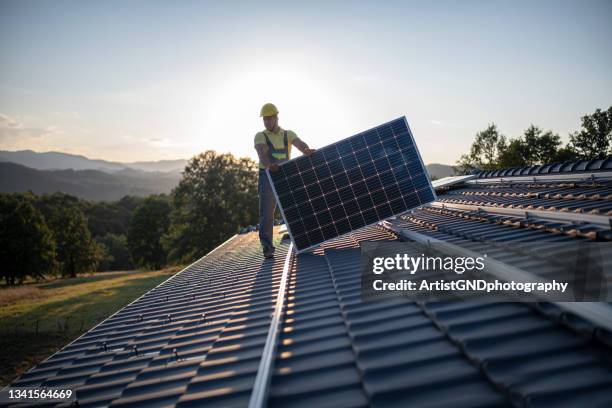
(308, 151)
(273, 167)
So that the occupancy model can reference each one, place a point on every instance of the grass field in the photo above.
(38, 319)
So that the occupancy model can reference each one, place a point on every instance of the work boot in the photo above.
(268, 252)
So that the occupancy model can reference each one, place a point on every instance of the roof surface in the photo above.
(198, 338)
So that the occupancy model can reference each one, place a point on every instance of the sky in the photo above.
(153, 80)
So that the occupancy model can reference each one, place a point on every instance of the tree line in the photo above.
(62, 235)
(492, 150)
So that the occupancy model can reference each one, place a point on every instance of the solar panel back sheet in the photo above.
(350, 184)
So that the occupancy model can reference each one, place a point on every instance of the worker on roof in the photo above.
(273, 146)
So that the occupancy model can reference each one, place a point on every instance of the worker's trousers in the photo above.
(267, 206)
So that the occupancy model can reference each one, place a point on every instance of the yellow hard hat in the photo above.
(268, 110)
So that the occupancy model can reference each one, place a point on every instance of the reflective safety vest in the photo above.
(277, 155)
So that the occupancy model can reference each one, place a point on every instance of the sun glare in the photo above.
(307, 104)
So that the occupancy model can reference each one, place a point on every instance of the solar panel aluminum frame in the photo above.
(311, 247)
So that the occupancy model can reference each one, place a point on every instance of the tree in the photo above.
(539, 147)
(565, 154)
(76, 251)
(26, 243)
(487, 147)
(485, 151)
(490, 150)
(116, 254)
(513, 155)
(149, 223)
(595, 138)
(218, 194)
(110, 217)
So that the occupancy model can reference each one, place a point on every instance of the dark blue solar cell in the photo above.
(310, 222)
(404, 142)
(315, 236)
(398, 205)
(324, 218)
(335, 167)
(332, 198)
(386, 178)
(345, 148)
(282, 187)
(390, 147)
(384, 211)
(291, 213)
(376, 151)
(329, 232)
(420, 181)
(406, 186)
(395, 159)
(401, 173)
(276, 176)
(356, 221)
(371, 137)
(295, 182)
(368, 170)
(300, 195)
(379, 197)
(370, 216)
(365, 202)
(425, 195)
(392, 191)
(358, 142)
(341, 180)
(359, 188)
(305, 210)
(317, 158)
(399, 126)
(346, 194)
(363, 157)
(385, 133)
(327, 185)
(314, 191)
(354, 175)
(392, 152)
(330, 153)
(414, 168)
(297, 228)
(343, 226)
(337, 212)
(301, 241)
(322, 172)
(374, 183)
(411, 200)
(382, 165)
(289, 168)
(349, 162)
(286, 200)
(304, 163)
(351, 207)
(309, 177)
(319, 204)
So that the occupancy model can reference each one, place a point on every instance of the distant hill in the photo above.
(161, 165)
(88, 184)
(63, 161)
(100, 179)
(436, 170)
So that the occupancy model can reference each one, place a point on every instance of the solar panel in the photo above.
(451, 180)
(351, 184)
